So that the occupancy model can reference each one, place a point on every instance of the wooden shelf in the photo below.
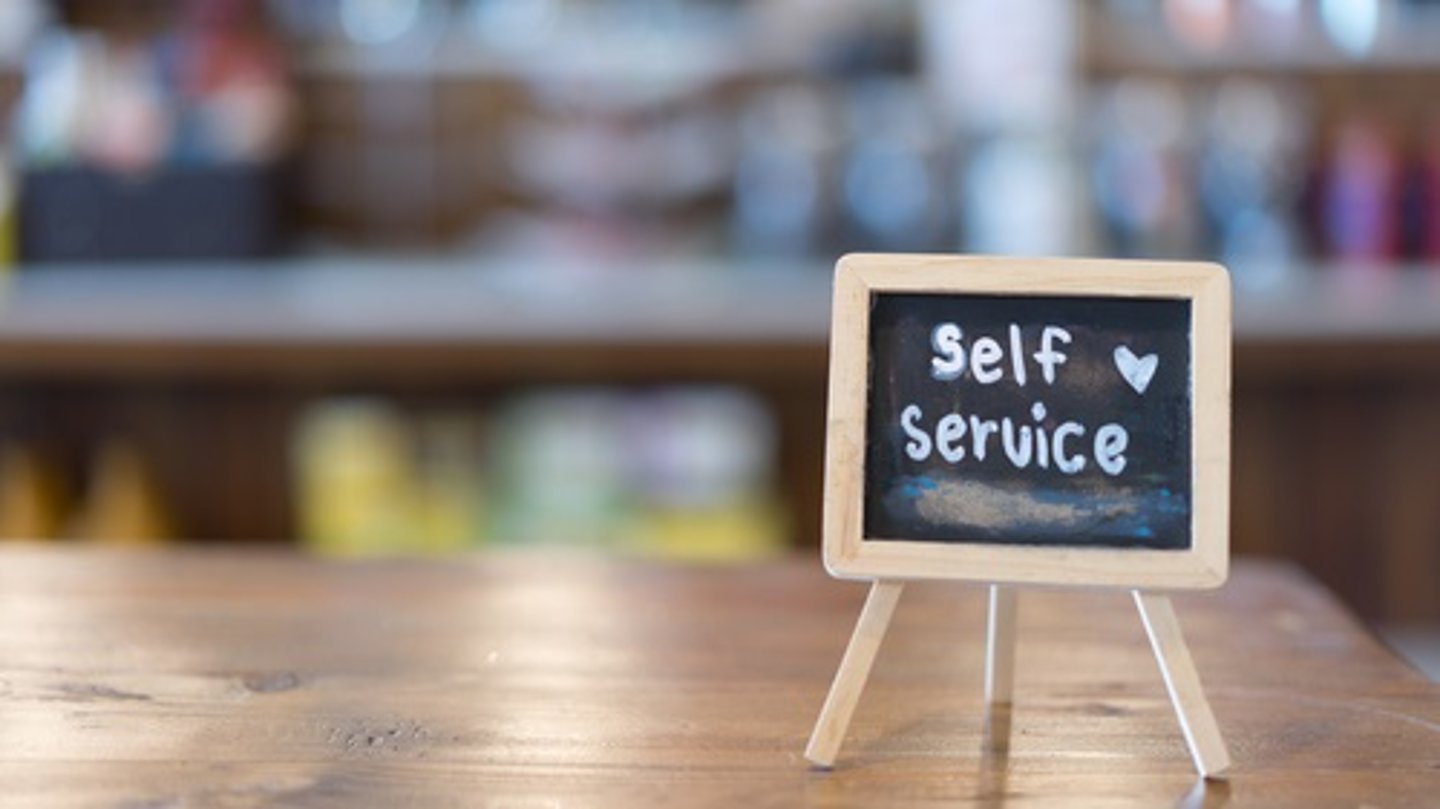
(1336, 303)
(206, 367)
(419, 314)
(1147, 46)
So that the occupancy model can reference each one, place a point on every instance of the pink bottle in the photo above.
(1358, 220)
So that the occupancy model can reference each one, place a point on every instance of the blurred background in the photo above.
(422, 276)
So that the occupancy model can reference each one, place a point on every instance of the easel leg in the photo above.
(1000, 646)
(999, 669)
(853, 672)
(1182, 681)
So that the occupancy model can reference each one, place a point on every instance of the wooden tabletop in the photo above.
(205, 678)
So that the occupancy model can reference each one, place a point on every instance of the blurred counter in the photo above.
(548, 319)
(207, 369)
(328, 313)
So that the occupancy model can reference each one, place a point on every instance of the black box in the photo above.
(202, 212)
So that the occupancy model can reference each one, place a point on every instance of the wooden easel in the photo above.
(885, 292)
(1182, 682)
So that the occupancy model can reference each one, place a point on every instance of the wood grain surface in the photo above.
(223, 679)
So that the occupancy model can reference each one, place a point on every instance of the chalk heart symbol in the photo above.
(1138, 371)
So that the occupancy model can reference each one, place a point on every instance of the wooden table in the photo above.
(180, 679)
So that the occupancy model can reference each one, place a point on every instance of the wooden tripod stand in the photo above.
(1182, 681)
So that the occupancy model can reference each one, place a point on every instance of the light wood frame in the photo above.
(849, 554)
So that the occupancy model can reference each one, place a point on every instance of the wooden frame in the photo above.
(849, 554)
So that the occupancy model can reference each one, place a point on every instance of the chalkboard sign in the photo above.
(1021, 420)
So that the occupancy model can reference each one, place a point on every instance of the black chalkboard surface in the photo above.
(1029, 420)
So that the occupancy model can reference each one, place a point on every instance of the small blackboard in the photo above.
(1027, 420)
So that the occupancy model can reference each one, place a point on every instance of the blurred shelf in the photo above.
(405, 316)
(1347, 324)
(413, 316)
(207, 367)
(1337, 303)
(706, 60)
(1117, 45)
(586, 70)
